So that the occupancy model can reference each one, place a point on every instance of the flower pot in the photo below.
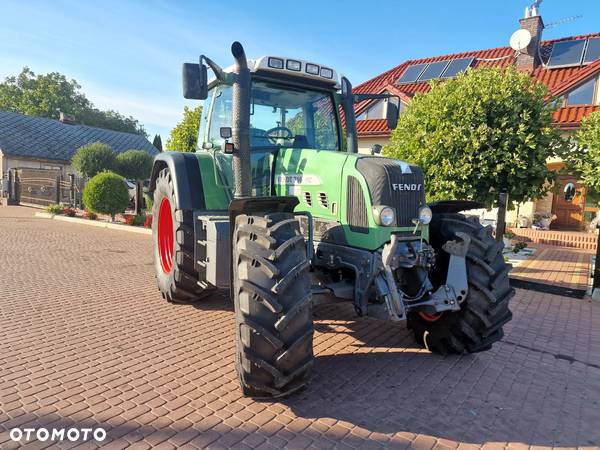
(545, 223)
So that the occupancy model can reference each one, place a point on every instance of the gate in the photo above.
(42, 187)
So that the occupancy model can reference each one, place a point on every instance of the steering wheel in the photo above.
(289, 133)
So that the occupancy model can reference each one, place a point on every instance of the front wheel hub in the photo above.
(164, 233)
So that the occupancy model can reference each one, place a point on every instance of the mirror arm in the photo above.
(221, 76)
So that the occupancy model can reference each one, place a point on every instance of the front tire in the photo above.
(173, 237)
(273, 305)
(485, 310)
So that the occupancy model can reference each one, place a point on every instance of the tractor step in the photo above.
(212, 250)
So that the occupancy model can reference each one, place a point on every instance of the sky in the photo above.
(127, 54)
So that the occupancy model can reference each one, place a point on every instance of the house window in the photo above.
(583, 95)
(379, 109)
(376, 111)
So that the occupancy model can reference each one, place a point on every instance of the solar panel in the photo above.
(593, 50)
(433, 70)
(411, 74)
(566, 53)
(457, 66)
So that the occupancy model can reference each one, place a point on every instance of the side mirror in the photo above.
(392, 115)
(195, 84)
(376, 149)
(569, 192)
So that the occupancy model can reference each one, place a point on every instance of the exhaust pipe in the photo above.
(241, 123)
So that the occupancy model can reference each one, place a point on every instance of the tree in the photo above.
(157, 142)
(184, 137)
(48, 95)
(584, 159)
(106, 193)
(94, 158)
(134, 164)
(485, 132)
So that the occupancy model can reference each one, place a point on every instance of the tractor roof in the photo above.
(290, 67)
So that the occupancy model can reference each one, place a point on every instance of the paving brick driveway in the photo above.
(86, 340)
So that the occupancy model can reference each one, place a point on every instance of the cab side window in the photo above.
(221, 115)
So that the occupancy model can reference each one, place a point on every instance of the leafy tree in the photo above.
(184, 137)
(48, 95)
(584, 158)
(134, 164)
(157, 142)
(485, 132)
(94, 158)
(106, 193)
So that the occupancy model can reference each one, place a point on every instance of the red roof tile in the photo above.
(372, 127)
(570, 117)
(558, 80)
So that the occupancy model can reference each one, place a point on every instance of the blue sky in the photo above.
(127, 54)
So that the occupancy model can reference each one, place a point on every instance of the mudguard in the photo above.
(185, 173)
(454, 206)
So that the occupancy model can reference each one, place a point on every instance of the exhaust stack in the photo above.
(241, 122)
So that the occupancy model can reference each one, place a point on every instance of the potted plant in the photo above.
(523, 222)
(543, 220)
(507, 239)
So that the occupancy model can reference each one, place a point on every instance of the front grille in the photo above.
(389, 185)
(356, 209)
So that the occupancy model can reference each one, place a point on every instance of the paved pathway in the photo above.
(85, 340)
(560, 266)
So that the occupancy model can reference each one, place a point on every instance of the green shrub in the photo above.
(139, 220)
(91, 159)
(106, 193)
(134, 164)
(149, 201)
(55, 209)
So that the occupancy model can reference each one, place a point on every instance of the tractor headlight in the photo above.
(425, 215)
(384, 215)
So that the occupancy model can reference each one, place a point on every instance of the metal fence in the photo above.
(43, 187)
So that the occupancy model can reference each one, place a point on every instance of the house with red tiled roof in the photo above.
(569, 67)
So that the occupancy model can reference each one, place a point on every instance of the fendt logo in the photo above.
(407, 187)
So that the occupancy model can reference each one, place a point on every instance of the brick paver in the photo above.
(560, 266)
(86, 340)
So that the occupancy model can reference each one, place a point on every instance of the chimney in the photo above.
(529, 58)
(65, 118)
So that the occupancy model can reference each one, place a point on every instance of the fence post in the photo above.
(10, 186)
(501, 222)
(16, 188)
(596, 283)
(138, 197)
(72, 190)
(57, 189)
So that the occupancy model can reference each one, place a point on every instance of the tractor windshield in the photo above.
(282, 116)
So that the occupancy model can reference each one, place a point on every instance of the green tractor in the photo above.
(279, 207)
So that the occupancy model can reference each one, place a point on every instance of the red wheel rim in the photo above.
(430, 317)
(165, 235)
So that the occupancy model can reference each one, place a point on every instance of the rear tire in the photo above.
(273, 305)
(178, 280)
(485, 310)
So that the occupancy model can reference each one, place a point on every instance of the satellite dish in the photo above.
(520, 39)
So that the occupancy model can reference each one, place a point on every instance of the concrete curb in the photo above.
(94, 223)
